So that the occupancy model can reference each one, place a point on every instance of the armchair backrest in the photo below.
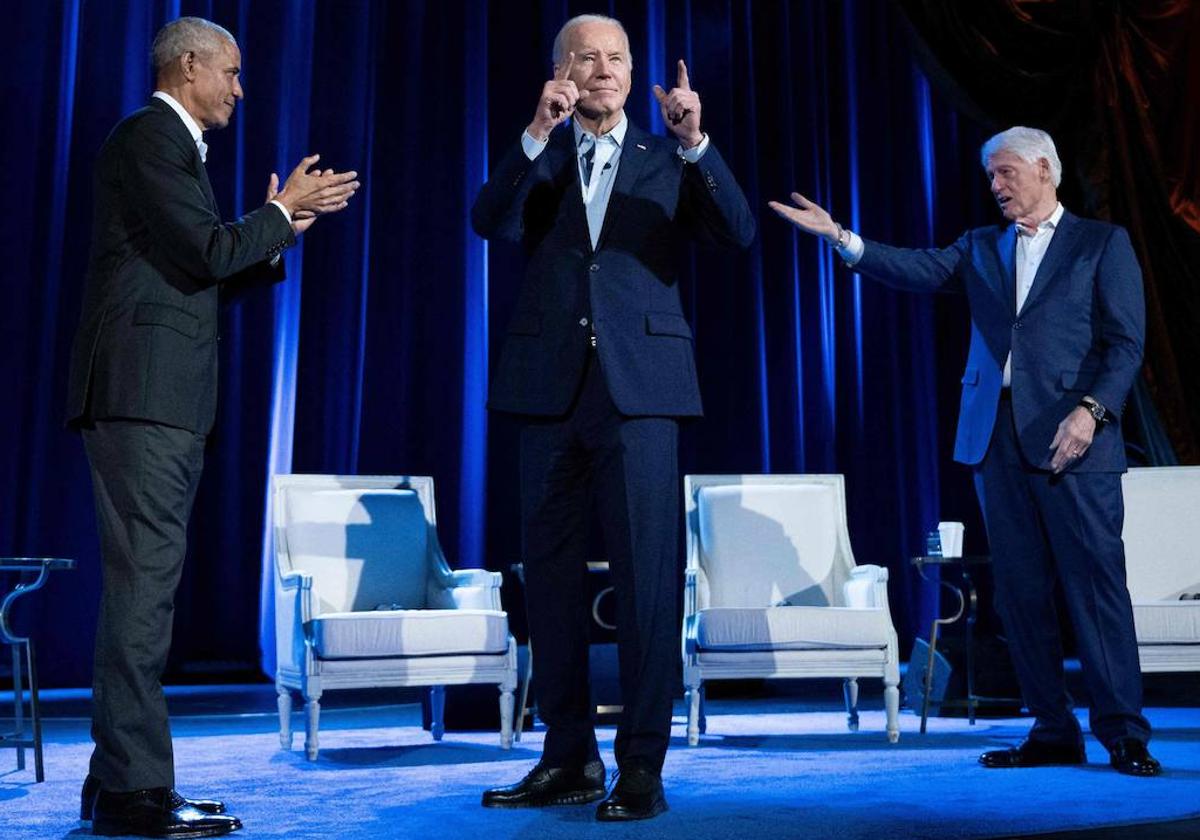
(1162, 532)
(366, 540)
(764, 540)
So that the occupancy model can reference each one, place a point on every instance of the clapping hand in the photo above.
(309, 192)
(302, 220)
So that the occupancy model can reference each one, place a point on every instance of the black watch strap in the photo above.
(1098, 412)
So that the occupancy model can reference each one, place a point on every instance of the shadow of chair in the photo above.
(364, 598)
(772, 591)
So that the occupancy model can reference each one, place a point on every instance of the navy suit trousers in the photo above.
(1066, 528)
(625, 468)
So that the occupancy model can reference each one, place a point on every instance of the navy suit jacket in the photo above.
(625, 289)
(1081, 330)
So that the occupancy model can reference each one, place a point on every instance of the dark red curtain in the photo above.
(1117, 84)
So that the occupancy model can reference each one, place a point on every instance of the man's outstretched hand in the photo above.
(808, 216)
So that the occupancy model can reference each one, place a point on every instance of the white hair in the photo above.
(1029, 144)
(184, 35)
(560, 40)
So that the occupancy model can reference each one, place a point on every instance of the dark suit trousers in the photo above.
(1042, 528)
(144, 476)
(628, 467)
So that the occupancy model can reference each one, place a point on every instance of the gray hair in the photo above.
(184, 35)
(560, 40)
(1029, 144)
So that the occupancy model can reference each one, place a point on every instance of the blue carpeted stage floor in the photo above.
(776, 767)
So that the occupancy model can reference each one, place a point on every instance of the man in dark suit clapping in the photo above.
(143, 389)
(598, 361)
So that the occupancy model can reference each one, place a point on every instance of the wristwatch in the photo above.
(1094, 408)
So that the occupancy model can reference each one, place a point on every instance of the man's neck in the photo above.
(599, 125)
(179, 94)
(1039, 214)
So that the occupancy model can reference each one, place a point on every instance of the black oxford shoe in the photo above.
(91, 789)
(157, 812)
(544, 786)
(1034, 754)
(1130, 756)
(637, 795)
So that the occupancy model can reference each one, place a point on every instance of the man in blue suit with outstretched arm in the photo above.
(1057, 328)
(597, 361)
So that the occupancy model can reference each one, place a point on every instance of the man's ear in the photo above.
(1044, 169)
(187, 64)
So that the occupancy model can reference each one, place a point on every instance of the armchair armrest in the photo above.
(690, 584)
(695, 591)
(866, 588)
(475, 577)
(466, 589)
(293, 617)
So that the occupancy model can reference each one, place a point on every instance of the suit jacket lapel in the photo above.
(202, 175)
(1060, 247)
(185, 137)
(635, 151)
(564, 166)
(1006, 252)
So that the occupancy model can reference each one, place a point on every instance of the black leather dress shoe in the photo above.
(544, 786)
(91, 789)
(1034, 754)
(637, 795)
(157, 812)
(1130, 756)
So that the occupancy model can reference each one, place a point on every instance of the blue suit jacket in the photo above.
(1080, 331)
(626, 289)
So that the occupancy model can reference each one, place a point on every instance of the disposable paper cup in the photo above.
(952, 538)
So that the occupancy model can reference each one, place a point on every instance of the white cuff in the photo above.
(694, 154)
(282, 209)
(532, 146)
(852, 251)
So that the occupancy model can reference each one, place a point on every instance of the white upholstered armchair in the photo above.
(1162, 564)
(364, 598)
(772, 590)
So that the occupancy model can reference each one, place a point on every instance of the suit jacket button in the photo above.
(1017, 325)
(593, 267)
(583, 322)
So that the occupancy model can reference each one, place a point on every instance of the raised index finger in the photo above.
(563, 71)
(683, 81)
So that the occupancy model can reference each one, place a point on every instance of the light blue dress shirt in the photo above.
(597, 190)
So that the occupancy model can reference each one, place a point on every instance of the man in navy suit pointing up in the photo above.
(598, 362)
(1057, 328)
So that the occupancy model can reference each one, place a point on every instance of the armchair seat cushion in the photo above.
(1167, 622)
(384, 633)
(792, 628)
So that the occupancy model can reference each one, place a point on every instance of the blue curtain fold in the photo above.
(373, 356)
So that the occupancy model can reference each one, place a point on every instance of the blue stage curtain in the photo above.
(373, 356)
